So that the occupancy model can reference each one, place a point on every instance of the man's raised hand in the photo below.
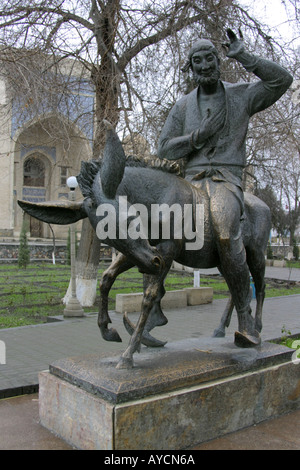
(236, 45)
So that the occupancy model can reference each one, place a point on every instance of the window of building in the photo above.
(63, 175)
(34, 172)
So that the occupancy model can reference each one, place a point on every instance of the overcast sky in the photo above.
(274, 14)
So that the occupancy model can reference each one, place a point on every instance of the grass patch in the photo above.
(290, 341)
(293, 264)
(29, 296)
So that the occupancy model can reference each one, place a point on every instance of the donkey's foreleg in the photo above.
(120, 265)
(168, 250)
(150, 293)
(156, 318)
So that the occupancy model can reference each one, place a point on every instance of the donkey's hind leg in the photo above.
(226, 317)
(257, 263)
(225, 320)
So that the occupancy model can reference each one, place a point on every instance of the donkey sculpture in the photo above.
(112, 188)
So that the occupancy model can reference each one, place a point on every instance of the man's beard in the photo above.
(207, 80)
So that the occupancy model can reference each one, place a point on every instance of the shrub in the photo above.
(24, 252)
(269, 251)
(295, 250)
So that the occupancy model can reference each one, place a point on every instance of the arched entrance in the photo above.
(44, 158)
(34, 182)
(34, 172)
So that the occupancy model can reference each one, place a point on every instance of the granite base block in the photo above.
(78, 417)
(186, 393)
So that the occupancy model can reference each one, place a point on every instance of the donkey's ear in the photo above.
(113, 162)
(61, 213)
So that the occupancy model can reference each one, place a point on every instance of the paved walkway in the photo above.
(292, 274)
(285, 274)
(31, 349)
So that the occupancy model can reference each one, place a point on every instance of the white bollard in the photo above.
(196, 278)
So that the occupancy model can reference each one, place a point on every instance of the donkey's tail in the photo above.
(113, 162)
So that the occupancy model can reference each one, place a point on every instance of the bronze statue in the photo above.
(155, 256)
(208, 128)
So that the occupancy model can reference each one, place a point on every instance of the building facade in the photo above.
(41, 146)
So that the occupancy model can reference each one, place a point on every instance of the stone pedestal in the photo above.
(174, 398)
(73, 308)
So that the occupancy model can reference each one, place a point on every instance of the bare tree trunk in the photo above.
(87, 264)
(105, 78)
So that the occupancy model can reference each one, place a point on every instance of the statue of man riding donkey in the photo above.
(207, 130)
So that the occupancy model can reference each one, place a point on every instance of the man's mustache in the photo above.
(208, 77)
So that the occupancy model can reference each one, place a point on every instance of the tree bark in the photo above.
(105, 78)
(87, 264)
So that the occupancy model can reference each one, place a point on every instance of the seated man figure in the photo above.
(208, 129)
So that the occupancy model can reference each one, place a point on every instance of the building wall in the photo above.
(34, 142)
(6, 165)
(51, 137)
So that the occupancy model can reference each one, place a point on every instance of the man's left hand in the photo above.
(235, 46)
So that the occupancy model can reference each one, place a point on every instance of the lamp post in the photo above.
(73, 307)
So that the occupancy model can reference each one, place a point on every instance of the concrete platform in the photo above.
(171, 399)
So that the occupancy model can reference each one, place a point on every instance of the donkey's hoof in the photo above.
(245, 340)
(219, 333)
(125, 363)
(111, 335)
(151, 342)
(147, 339)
